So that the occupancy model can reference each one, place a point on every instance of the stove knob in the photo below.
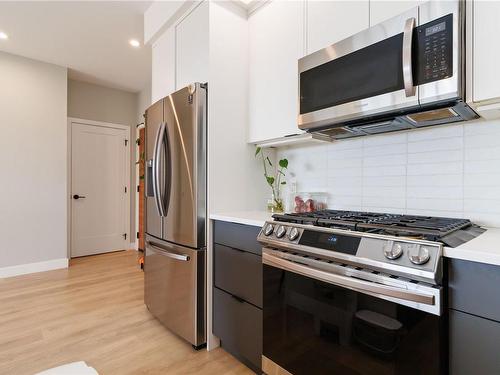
(268, 229)
(419, 255)
(281, 231)
(393, 251)
(293, 234)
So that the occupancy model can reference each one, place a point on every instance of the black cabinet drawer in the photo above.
(473, 288)
(239, 326)
(239, 236)
(239, 273)
(473, 345)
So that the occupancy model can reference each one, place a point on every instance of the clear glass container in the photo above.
(307, 202)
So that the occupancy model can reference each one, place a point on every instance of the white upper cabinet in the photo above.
(192, 39)
(163, 66)
(276, 42)
(331, 21)
(486, 55)
(381, 10)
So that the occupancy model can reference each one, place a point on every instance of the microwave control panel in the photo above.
(434, 50)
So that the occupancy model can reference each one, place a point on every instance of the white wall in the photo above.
(451, 171)
(94, 102)
(33, 148)
(99, 103)
(143, 102)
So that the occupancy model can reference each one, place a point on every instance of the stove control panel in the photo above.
(379, 252)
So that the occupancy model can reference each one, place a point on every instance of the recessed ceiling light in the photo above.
(3, 35)
(134, 43)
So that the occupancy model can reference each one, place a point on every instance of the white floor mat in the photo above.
(75, 368)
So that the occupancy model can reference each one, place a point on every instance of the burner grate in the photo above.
(425, 227)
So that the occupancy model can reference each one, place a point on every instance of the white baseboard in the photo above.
(23, 269)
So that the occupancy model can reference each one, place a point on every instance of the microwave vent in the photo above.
(433, 116)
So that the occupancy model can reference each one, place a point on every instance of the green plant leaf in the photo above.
(257, 150)
(270, 180)
(269, 161)
(283, 163)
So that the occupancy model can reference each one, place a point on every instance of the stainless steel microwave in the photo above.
(407, 72)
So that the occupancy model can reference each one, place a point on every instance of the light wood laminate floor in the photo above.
(94, 312)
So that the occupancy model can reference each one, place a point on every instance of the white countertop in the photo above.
(485, 248)
(255, 218)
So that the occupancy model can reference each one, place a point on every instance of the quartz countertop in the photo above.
(485, 248)
(255, 218)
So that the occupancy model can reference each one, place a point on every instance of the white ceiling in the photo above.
(89, 37)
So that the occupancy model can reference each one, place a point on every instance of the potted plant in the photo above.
(275, 181)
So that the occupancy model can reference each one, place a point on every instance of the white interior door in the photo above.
(98, 189)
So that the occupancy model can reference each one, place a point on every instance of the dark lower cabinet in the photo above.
(474, 318)
(239, 326)
(237, 295)
(474, 345)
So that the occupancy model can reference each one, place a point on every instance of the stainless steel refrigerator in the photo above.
(174, 262)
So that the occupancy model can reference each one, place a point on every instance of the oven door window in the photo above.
(371, 71)
(311, 327)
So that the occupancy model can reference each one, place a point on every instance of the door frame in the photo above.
(103, 124)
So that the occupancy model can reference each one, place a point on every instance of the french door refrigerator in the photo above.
(174, 264)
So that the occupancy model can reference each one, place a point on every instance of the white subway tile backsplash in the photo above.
(482, 140)
(441, 192)
(435, 133)
(436, 180)
(453, 143)
(491, 180)
(435, 156)
(483, 153)
(374, 161)
(481, 166)
(439, 204)
(451, 171)
(389, 202)
(477, 127)
(437, 168)
(387, 181)
(392, 170)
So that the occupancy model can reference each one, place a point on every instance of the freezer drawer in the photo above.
(174, 288)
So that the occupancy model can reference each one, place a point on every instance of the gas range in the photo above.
(387, 247)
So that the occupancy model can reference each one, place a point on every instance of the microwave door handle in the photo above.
(348, 282)
(407, 57)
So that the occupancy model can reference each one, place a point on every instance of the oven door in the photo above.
(314, 323)
(367, 74)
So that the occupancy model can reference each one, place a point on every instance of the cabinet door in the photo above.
(163, 66)
(381, 10)
(331, 21)
(192, 47)
(486, 57)
(473, 345)
(276, 43)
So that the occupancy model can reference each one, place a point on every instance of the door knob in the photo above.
(76, 196)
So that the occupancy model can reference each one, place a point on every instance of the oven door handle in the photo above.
(407, 57)
(348, 282)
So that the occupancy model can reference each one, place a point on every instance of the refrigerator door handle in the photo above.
(167, 170)
(160, 134)
(162, 251)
